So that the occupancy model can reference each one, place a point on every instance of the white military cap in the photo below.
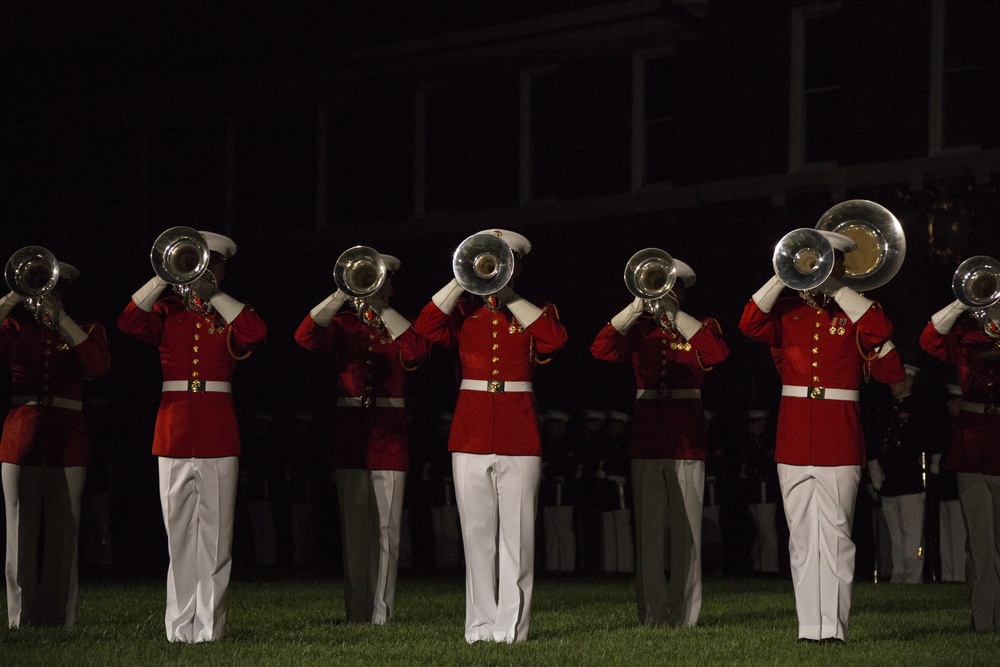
(593, 415)
(844, 244)
(954, 391)
(684, 273)
(391, 263)
(757, 414)
(68, 271)
(617, 415)
(223, 245)
(517, 242)
(709, 415)
(910, 370)
(555, 415)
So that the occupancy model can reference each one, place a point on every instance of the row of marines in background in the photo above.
(825, 342)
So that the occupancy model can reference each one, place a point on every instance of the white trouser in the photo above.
(198, 499)
(904, 516)
(497, 497)
(952, 541)
(48, 597)
(980, 496)
(819, 508)
(371, 514)
(668, 490)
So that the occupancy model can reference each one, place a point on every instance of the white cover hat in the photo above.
(517, 242)
(223, 245)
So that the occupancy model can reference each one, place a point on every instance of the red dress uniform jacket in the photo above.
(975, 441)
(194, 347)
(668, 428)
(817, 347)
(492, 345)
(47, 371)
(370, 366)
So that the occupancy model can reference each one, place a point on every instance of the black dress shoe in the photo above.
(807, 640)
(832, 640)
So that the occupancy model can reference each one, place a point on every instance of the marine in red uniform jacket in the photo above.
(195, 348)
(371, 367)
(663, 361)
(975, 445)
(494, 347)
(45, 425)
(818, 348)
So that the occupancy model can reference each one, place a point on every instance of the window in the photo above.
(654, 88)
(815, 84)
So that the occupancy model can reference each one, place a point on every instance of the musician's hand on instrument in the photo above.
(506, 294)
(377, 303)
(205, 286)
(52, 308)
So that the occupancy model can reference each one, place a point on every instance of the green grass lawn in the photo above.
(575, 621)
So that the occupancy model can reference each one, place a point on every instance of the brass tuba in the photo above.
(650, 274)
(976, 282)
(483, 264)
(32, 272)
(803, 259)
(360, 274)
(180, 257)
(879, 237)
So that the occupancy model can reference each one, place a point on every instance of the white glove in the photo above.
(447, 296)
(876, 473)
(887, 347)
(767, 296)
(935, 464)
(394, 323)
(687, 326)
(525, 311)
(624, 320)
(71, 331)
(324, 311)
(944, 319)
(853, 304)
(226, 306)
(147, 295)
(7, 304)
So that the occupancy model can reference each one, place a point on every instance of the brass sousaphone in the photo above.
(804, 258)
(483, 264)
(180, 257)
(32, 272)
(976, 283)
(360, 274)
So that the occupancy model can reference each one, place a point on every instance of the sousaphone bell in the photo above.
(180, 256)
(360, 273)
(483, 264)
(650, 274)
(881, 243)
(976, 282)
(32, 272)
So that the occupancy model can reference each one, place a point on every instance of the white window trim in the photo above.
(797, 98)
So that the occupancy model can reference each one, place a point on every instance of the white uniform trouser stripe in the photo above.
(371, 504)
(198, 500)
(668, 490)
(497, 497)
(30, 491)
(819, 507)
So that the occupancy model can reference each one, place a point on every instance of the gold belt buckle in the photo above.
(196, 386)
(368, 401)
(665, 394)
(45, 401)
(495, 386)
(817, 392)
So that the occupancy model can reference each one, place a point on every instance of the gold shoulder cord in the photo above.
(402, 362)
(229, 345)
(868, 357)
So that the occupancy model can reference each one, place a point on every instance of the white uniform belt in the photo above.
(198, 386)
(666, 394)
(820, 393)
(54, 401)
(981, 408)
(495, 386)
(360, 401)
